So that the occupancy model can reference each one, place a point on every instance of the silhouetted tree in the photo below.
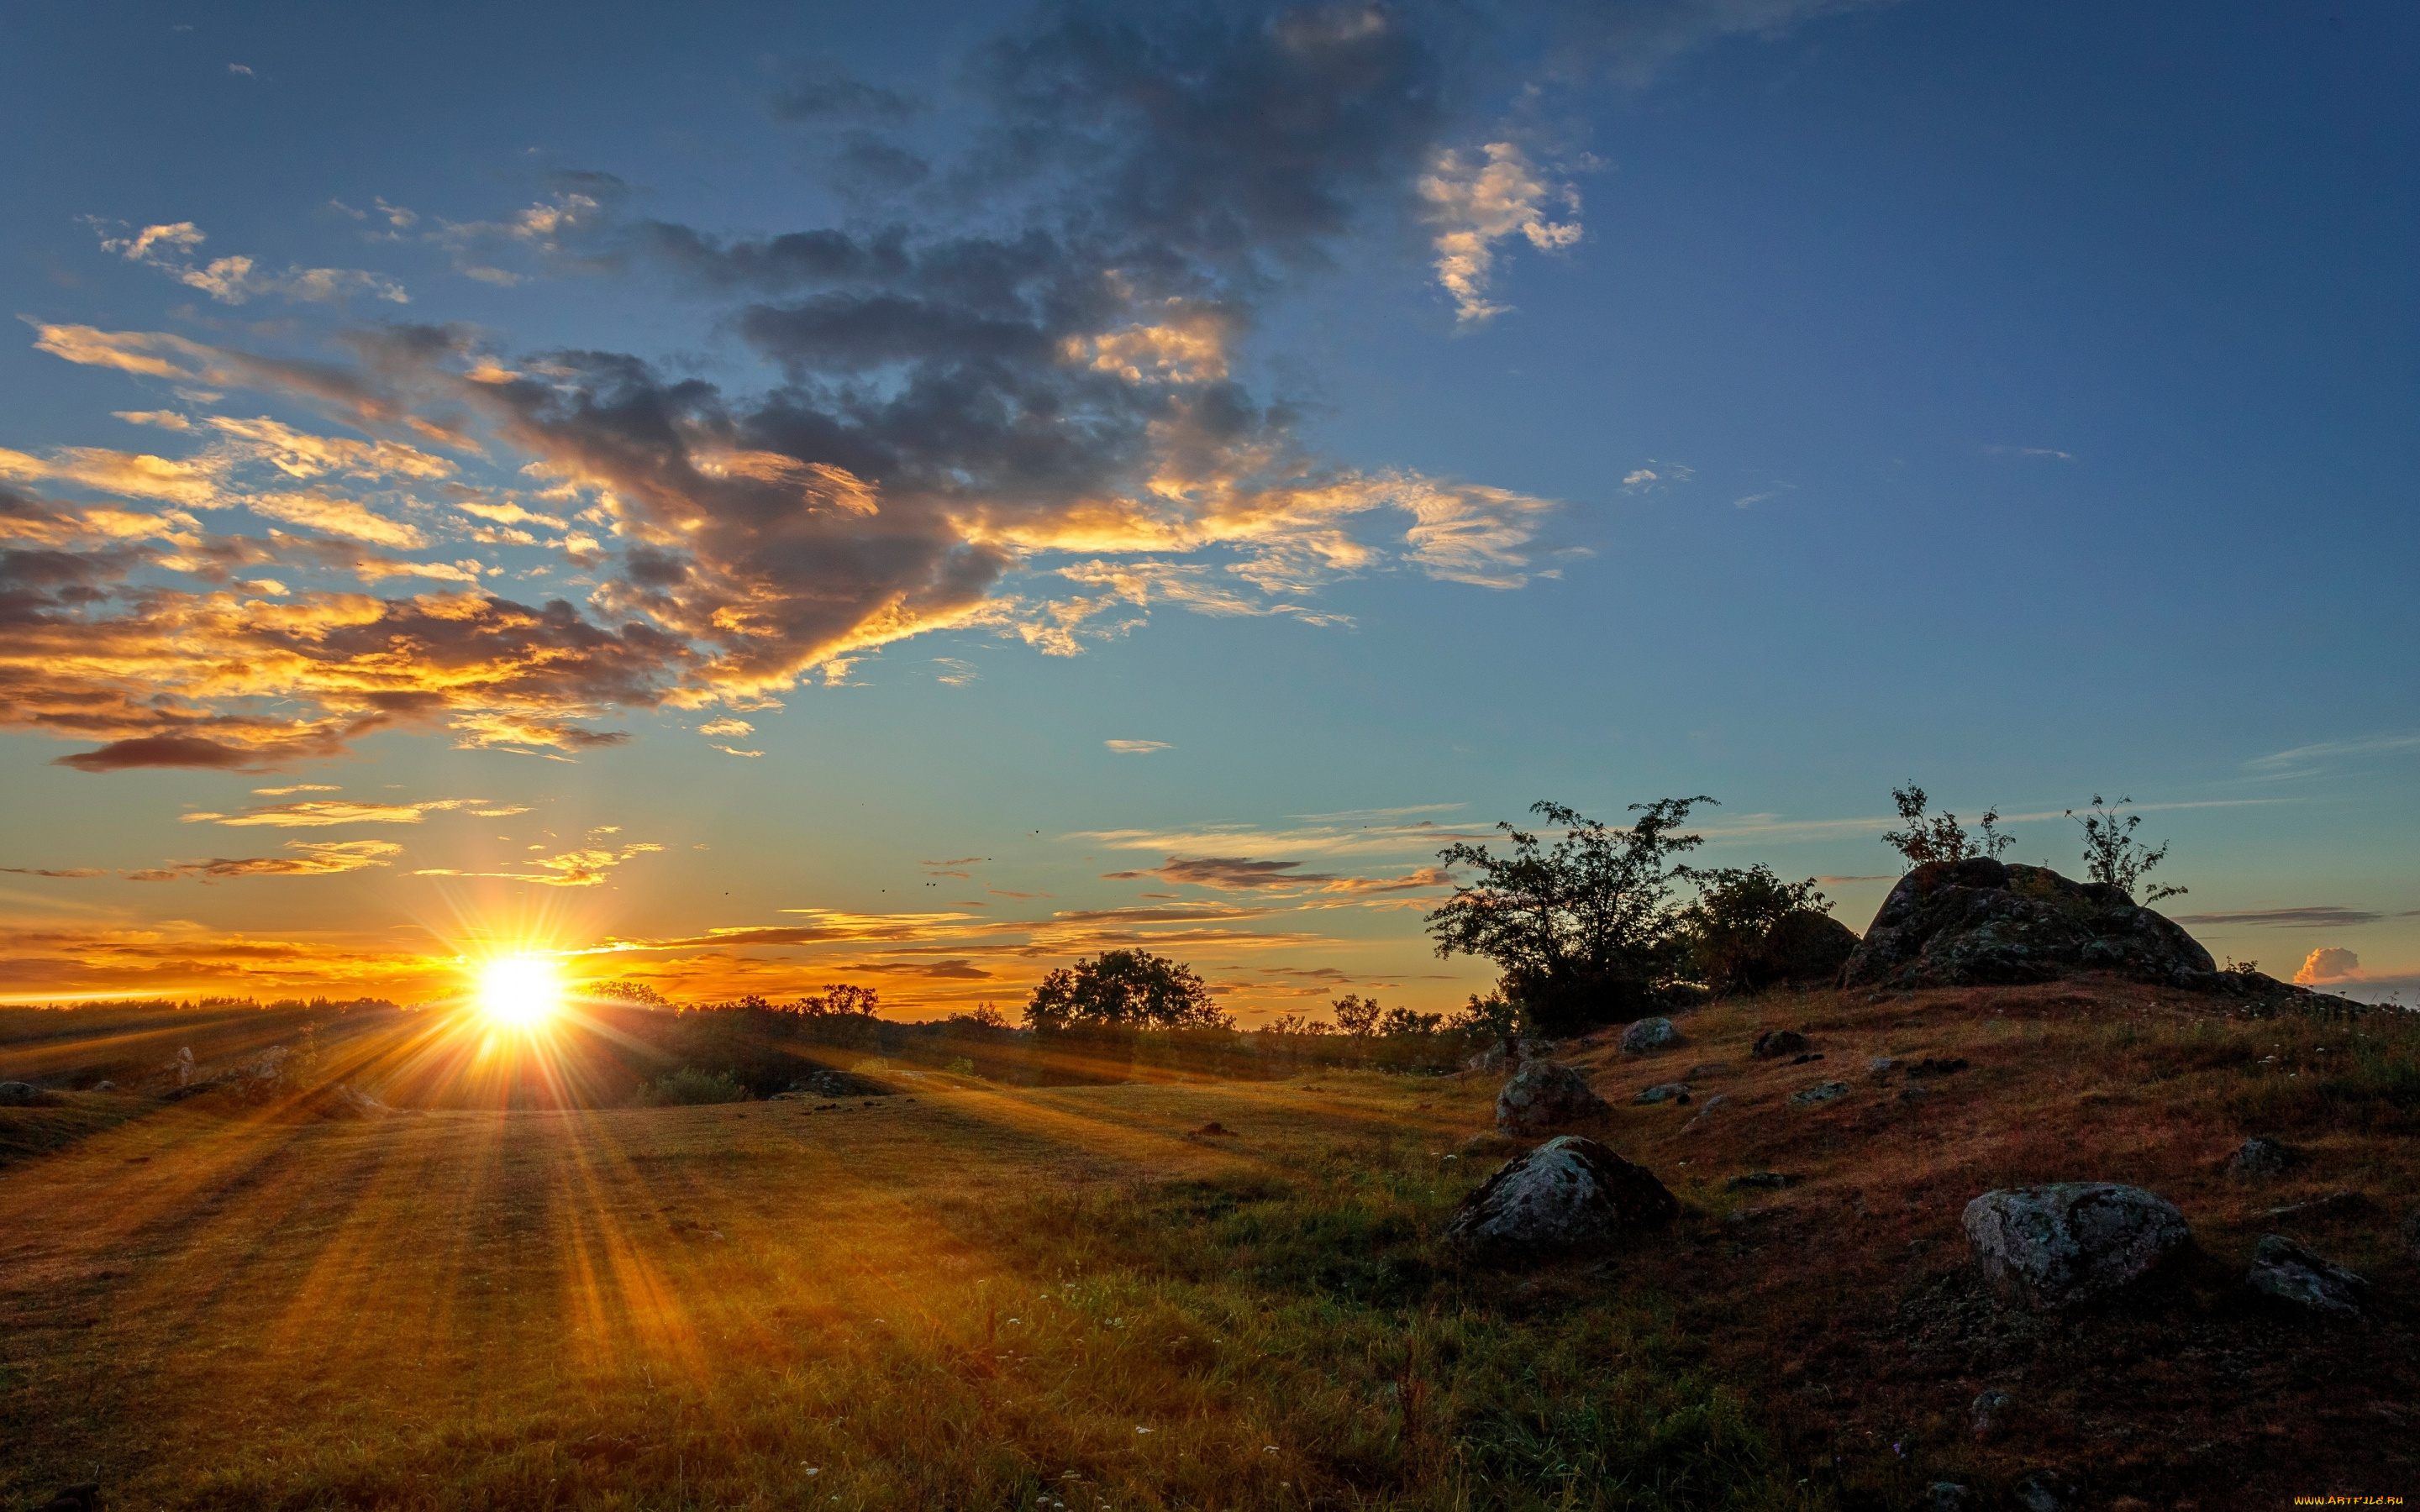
(1584, 931)
(2111, 854)
(1356, 1016)
(1133, 988)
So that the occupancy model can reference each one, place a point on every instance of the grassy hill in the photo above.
(979, 1296)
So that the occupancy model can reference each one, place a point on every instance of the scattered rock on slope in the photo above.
(1778, 1044)
(24, 1095)
(1648, 1034)
(1568, 1193)
(1963, 923)
(1545, 1095)
(2071, 1242)
(2288, 1272)
(2260, 1157)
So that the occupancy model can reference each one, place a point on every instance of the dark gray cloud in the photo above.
(2320, 916)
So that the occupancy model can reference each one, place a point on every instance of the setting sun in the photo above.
(520, 990)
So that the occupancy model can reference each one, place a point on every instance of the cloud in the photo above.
(1137, 747)
(2328, 964)
(237, 278)
(298, 787)
(1243, 873)
(1477, 202)
(2031, 452)
(2313, 917)
(822, 91)
(1017, 409)
(580, 867)
(313, 814)
(319, 858)
(1229, 871)
(2303, 760)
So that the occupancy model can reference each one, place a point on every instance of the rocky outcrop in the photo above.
(2071, 1242)
(1568, 1194)
(24, 1095)
(1647, 1036)
(2287, 1272)
(1544, 1095)
(1974, 922)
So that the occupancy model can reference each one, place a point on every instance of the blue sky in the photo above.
(2016, 399)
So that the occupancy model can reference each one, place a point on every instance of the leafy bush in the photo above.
(2111, 854)
(690, 1087)
(1941, 837)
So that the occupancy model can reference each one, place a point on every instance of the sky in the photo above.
(753, 496)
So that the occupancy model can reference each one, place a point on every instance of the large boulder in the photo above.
(2071, 1242)
(1543, 1095)
(24, 1095)
(1567, 1193)
(1976, 922)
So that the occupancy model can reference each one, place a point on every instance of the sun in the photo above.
(520, 991)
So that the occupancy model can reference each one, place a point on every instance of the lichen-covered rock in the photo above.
(23, 1095)
(1648, 1034)
(1819, 1092)
(1567, 1193)
(1963, 923)
(2291, 1274)
(1545, 1095)
(2071, 1242)
(1664, 1092)
(1778, 1044)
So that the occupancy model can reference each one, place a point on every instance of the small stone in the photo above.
(2046, 1491)
(1648, 1034)
(1989, 1413)
(1664, 1092)
(1709, 1068)
(1773, 1044)
(1880, 1065)
(2071, 1242)
(2288, 1272)
(2261, 1157)
(1947, 1496)
(1762, 1180)
(1930, 1066)
(1705, 1111)
(1215, 1130)
(1807, 1060)
(1819, 1092)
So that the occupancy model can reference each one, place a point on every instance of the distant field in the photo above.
(980, 1296)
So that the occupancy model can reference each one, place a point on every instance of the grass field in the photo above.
(972, 1296)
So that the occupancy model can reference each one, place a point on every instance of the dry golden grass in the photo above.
(992, 1298)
